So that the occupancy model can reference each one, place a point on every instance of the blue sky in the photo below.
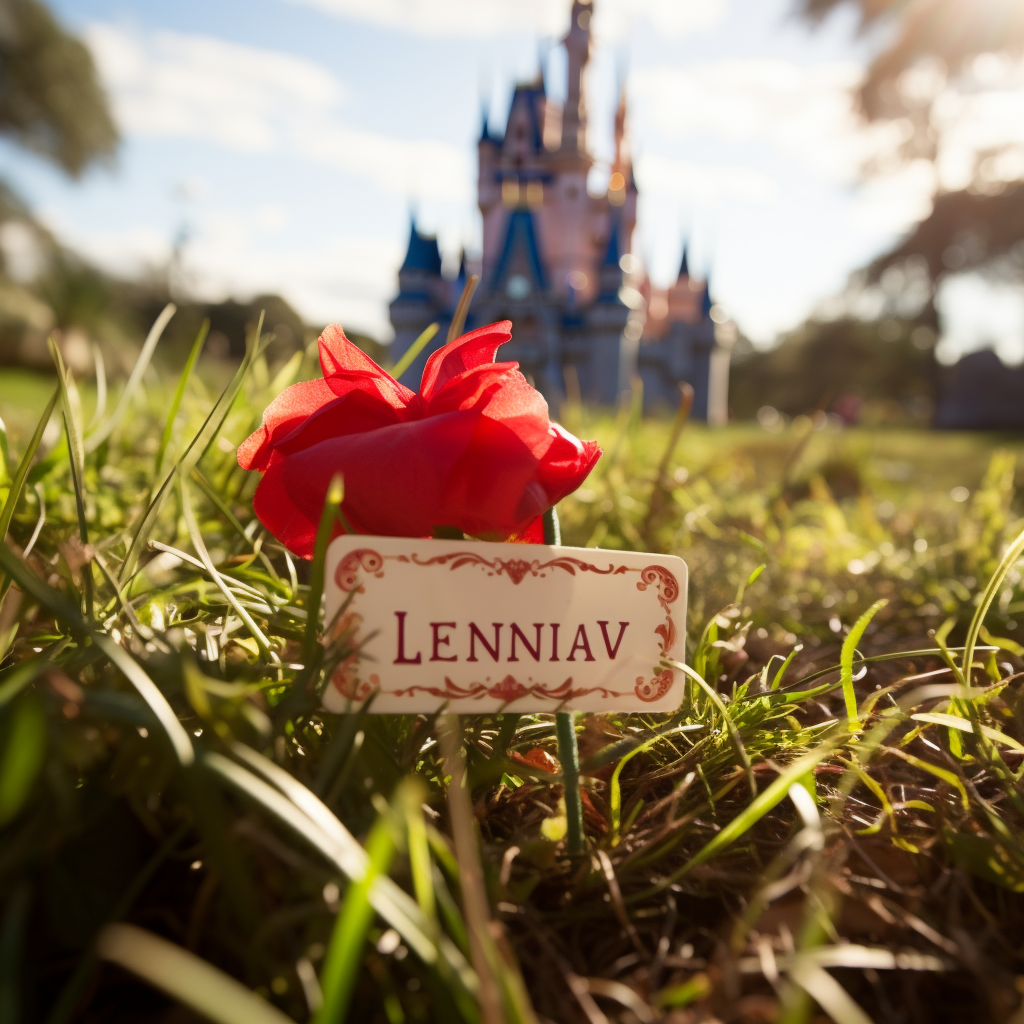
(287, 140)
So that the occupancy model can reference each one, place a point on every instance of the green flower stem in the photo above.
(565, 730)
(569, 758)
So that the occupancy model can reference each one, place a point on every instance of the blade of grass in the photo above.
(76, 457)
(456, 327)
(827, 993)
(12, 940)
(21, 473)
(1010, 558)
(956, 722)
(150, 693)
(413, 351)
(253, 352)
(730, 726)
(184, 464)
(102, 432)
(344, 952)
(101, 386)
(204, 555)
(22, 756)
(66, 1004)
(185, 977)
(764, 802)
(327, 835)
(467, 854)
(332, 503)
(783, 668)
(846, 655)
(614, 785)
(179, 394)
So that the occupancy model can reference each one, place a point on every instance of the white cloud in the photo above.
(893, 202)
(541, 17)
(336, 278)
(803, 109)
(253, 100)
(660, 177)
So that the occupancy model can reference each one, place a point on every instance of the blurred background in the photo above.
(847, 177)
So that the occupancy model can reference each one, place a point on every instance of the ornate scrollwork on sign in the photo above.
(656, 688)
(507, 690)
(345, 678)
(516, 569)
(668, 590)
(347, 573)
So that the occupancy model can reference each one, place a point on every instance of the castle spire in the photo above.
(622, 160)
(705, 300)
(577, 47)
(684, 266)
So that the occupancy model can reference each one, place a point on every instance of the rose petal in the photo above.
(274, 505)
(465, 353)
(345, 364)
(566, 463)
(290, 409)
(493, 490)
(395, 477)
(532, 533)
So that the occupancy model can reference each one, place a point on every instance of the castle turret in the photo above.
(603, 376)
(422, 297)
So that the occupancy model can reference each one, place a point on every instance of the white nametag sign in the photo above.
(481, 627)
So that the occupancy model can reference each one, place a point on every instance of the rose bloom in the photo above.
(473, 450)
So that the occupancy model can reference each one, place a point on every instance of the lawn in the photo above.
(828, 828)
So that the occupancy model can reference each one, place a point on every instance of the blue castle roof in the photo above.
(684, 266)
(520, 233)
(613, 251)
(705, 301)
(531, 94)
(485, 128)
(423, 253)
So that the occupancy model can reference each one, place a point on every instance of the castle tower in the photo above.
(552, 258)
(577, 47)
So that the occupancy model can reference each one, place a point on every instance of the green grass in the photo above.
(829, 827)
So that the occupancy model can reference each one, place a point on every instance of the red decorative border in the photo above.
(508, 690)
(516, 570)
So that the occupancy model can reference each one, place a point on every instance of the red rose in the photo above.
(474, 449)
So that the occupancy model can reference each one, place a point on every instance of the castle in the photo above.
(557, 262)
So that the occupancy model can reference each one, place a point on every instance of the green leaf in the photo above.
(345, 951)
(179, 393)
(846, 656)
(185, 977)
(104, 430)
(956, 722)
(986, 858)
(413, 351)
(22, 756)
(21, 474)
(298, 808)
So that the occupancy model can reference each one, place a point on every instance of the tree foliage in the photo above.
(50, 98)
(981, 226)
(953, 31)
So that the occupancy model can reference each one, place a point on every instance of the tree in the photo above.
(932, 52)
(50, 98)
